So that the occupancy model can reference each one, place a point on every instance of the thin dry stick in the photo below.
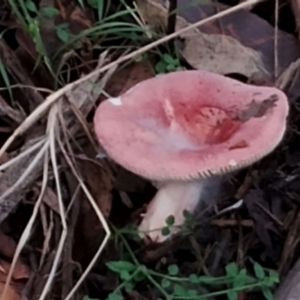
(27, 231)
(172, 14)
(26, 86)
(22, 154)
(81, 119)
(51, 131)
(48, 235)
(42, 108)
(276, 39)
(44, 221)
(28, 170)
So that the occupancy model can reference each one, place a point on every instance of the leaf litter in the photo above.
(212, 52)
(75, 194)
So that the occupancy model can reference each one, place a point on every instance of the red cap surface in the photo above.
(191, 124)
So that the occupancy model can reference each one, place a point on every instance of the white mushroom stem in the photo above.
(172, 198)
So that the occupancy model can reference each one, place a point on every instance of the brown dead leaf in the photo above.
(246, 27)
(212, 52)
(7, 245)
(222, 54)
(98, 180)
(257, 109)
(21, 271)
(4, 158)
(125, 78)
(50, 198)
(10, 294)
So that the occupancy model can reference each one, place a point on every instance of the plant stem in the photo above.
(172, 17)
(218, 293)
(151, 279)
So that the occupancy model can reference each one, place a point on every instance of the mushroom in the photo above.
(182, 128)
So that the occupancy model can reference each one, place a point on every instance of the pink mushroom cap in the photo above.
(191, 124)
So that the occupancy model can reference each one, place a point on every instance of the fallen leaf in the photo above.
(4, 158)
(50, 198)
(222, 54)
(125, 78)
(246, 27)
(212, 52)
(21, 270)
(7, 245)
(257, 109)
(10, 294)
(98, 180)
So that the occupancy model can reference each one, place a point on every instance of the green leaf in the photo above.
(268, 282)
(30, 5)
(62, 32)
(232, 295)
(160, 67)
(232, 269)
(120, 266)
(125, 276)
(239, 281)
(49, 11)
(171, 67)
(165, 231)
(93, 3)
(173, 270)
(259, 271)
(128, 287)
(193, 278)
(165, 283)
(274, 276)
(189, 219)
(267, 293)
(170, 220)
(113, 296)
(192, 293)
(140, 276)
(168, 59)
(243, 272)
(180, 291)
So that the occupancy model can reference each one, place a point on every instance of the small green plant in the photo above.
(167, 63)
(186, 228)
(172, 286)
(170, 221)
